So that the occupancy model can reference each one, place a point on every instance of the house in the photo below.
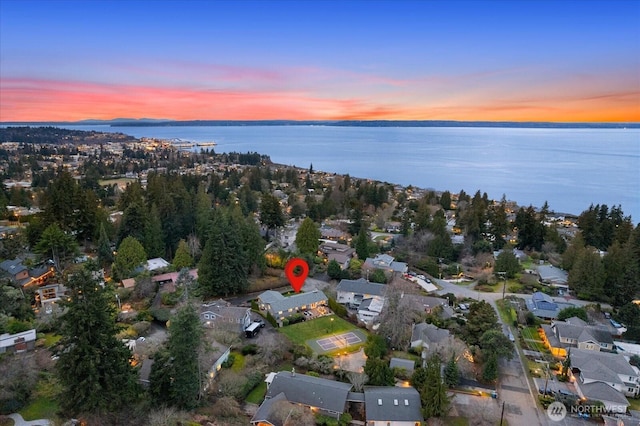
(434, 305)
(370, 309)
(353, 292)
(328, 397)
(216, 357)
(592, 369)
(386, 263)
(552, 276)
(48, 295)
(267, 412)
(403, 364)
(427, 335)
(156, 264)
(15, 270)
(392, 406)
(220, 314)
(172, 277)
(281, 307)
(18, 342)
(575, 333)
(341, 253)
(393, 226)
(543, 306)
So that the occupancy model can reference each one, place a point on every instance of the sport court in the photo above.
(338, 341)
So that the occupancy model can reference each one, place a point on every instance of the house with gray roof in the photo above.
(611, 369)
(404, 364)
(555, 277)
(392, 406)
(329, 397)
(281, 307)
(427, 335)
(267, 412)
(575, 333)
(353, 292)
(386, 263)
(221, 314)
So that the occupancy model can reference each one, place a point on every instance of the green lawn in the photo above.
(256, 396)
(532, 339)
(238, 362)
(634, 404)
(40, 408)
(315, 328)
(456, 421)
(51, 339)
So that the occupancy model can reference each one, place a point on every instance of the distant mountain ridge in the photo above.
(152, 122)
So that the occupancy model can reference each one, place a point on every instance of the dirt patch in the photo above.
(266, 282)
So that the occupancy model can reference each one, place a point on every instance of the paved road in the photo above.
(514, 389)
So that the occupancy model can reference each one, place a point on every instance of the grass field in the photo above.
(256, 396)
(532, 339)
(40, 408)
(313, 329)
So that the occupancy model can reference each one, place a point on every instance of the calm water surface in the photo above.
(568, 168)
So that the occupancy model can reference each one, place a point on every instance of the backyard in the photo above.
(301, 332)
(532, 339)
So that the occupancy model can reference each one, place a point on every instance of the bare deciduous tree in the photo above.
(358, 380)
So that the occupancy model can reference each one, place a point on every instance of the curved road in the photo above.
(514, 387)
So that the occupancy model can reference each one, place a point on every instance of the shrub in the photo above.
(337, 308)
(250, 349)
(161, 314)
(229, 362)
(313, 374)
(253, 379)
(271, 319)
(254, 305)
(296, 318)
(141, 327)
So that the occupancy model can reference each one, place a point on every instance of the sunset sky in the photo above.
(542, 60)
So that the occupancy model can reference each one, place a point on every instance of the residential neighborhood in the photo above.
(412, 311)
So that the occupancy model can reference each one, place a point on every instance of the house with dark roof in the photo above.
(575, 333)
(392, 406)
(281, 307)
(267, 412)
(341, 253)
(543, 306)
(427, 335)
(353, 292)
(552, 276)
(403, 364)
(386, 263)
(221, 314)
(15, 270)
(592, 369)
(328, 397)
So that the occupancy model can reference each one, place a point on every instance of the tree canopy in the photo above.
(129, 256)
(308, 237)
(93, 368)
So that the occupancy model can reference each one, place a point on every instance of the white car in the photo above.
(422, 277)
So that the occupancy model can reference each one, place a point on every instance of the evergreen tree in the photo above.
(252, 243)
(223, 266)
(507, 262)
(133, 223)
(490, 368)
(183, 258)
(451, 372)
(334, 270)
(435, 401)
(271, 214)
(105, 254)
(93, 369)
(362, 243)
(308, 237)
(379, 372)
(153, 239)
(129, 256)
(58, 244)
(185, 334)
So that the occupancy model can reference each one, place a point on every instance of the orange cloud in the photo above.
(47, 100)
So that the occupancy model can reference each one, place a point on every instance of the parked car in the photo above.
(566, 393)
(548, 392)
(422, 277)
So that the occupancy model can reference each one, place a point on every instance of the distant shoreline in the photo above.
(338, 123)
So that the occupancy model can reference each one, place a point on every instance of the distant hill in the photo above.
(152, 122)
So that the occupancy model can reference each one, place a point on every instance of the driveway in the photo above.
(19, 421)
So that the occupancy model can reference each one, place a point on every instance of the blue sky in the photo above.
(475, 60)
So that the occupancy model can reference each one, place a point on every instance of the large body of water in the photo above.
(568, 168)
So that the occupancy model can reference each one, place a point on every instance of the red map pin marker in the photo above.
(296, 281)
